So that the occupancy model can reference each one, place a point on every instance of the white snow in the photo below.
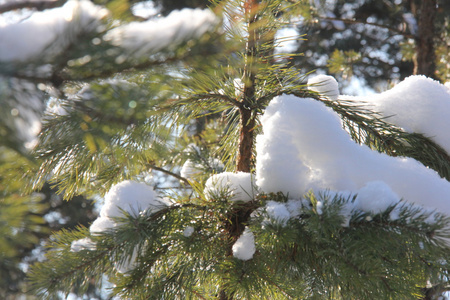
(127, 196)
(304, 147)
(244, 247)
(154, 35)
(55, 108)
(294, 207)
(30, 38)
(417, 104)
(325, 85)
(191, 169)
(82, 244)
(128, 263)
(278, 212)
(102, 224)
(240, 185)
(385, 197)
(286, 40)
(188, 231)
(130, 196)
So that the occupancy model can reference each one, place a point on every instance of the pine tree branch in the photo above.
(90, 262)
(224, 98)
(60, 76)
(39, 5)
(66, 76)
(392, 226)
(283, 291)
(193, 291)
(94, 113)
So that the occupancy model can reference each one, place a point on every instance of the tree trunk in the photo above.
(247, 121)
(238, 218)
(246, 135)
(425, 57)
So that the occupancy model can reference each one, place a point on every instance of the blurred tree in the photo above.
(377, 41)
(21, 223)
(27, 221)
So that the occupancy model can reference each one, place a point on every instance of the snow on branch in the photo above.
(126, 197)
(42, 32)
(240, 185)
(32, 4)
(418, 104)
(304, 147)
(152, 36)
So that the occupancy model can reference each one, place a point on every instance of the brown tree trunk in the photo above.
(247, 121)
(425, 58)
(246, 135)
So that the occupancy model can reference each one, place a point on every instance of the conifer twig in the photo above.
(156, 168)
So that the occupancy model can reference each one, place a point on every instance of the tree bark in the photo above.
(246, 135)
(425, 57)
(247, 120)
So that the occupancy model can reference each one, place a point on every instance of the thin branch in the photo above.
(353, 21)
(162, 212)
(124, 69)
(31, 4)
(285, 293)
(156, 168)
(85, 263)
(59, 77)
(95, 113)
(225, 98)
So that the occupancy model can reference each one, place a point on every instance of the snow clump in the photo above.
(417, 104)
(132, 197)
(82, 244)
(385, 197)
(159, 34)
(304, 147)
(325, 85)
(278, 212)
(244, 247)
(188, 231)
(240, 185)
(38, 34)
(190, 169)
(125, 197)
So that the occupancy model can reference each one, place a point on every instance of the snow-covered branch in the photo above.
(31, 4)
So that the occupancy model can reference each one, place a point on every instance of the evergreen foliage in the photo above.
(198, 98)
